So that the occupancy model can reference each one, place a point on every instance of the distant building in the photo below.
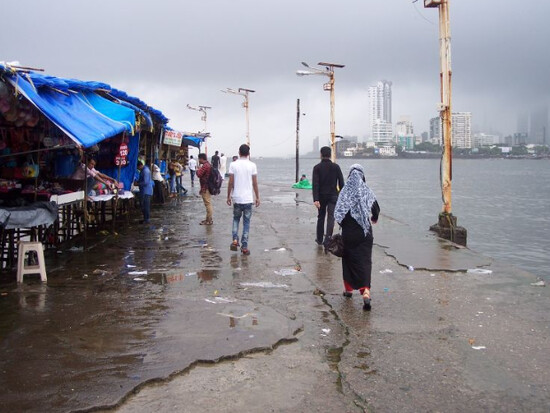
(404, 133)
(538, 133)
(316, 145)
(380, 108)
(387, 150)
(518, 139)
(462, 130)
(435, 131)
(483, 139)
(424, 136)
(342, 145)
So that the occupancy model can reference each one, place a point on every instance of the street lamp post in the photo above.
(204, 117)
(446, 226)
(329, 72)
(243, 92)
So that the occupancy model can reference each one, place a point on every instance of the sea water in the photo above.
(504, 204)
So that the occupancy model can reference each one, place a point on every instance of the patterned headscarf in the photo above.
(357, 198)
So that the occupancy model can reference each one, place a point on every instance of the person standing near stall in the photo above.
(158, 180)
(203, 174)
(192, 169)
(223, 165)
(145, 184)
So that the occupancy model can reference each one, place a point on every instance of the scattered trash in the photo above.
(386, 289)
(76, 249)
(275, 249)
(191, 274)
(411, 268)
(85, 276)
(264, 285)
(140, 279)
(236, 316)
(326, 330)
(386, 271)
(479, 347)
(471, 341)
(432, 275)
(165, 238)
(479, 271)
(287, 271)
(298, 267)
(216, 292)
(130, 266)
(138, 272)
(317, 291)
(98, 271)
(539, 283)
(220, 300)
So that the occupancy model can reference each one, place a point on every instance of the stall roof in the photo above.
(61, 100)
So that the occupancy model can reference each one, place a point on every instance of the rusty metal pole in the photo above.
(446, 109)
(297, 139)
(446, 226)
(332, 120)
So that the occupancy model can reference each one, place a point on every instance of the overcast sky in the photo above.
(173, 53)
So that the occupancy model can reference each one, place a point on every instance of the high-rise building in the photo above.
(380, 104)
(316, 144)
(538, 133)
(462, 130)
(435, 131)
(404, 133)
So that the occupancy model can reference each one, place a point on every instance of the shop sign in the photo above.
(172, 137)
(122, 158)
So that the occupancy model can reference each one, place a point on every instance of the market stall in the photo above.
(50, 130)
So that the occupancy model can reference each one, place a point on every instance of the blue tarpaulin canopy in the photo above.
(193, 141)
(72, 105)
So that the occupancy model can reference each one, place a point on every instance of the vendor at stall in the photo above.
(96, 179)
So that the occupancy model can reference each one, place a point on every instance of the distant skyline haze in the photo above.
(171, 53)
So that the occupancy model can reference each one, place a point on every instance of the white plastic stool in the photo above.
(22, 269)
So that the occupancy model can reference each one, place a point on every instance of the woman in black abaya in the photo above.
(355, 210)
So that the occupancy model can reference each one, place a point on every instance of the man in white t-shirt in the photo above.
(192, 169)
(242, 187)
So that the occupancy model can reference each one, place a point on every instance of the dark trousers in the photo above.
(159, 191)
(145, 201)
(328, 203)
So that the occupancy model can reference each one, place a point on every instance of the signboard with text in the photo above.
(172, 137)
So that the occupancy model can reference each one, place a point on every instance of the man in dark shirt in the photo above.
(327, 181)
(215, 161)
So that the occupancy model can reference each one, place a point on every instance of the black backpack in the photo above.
(214, 182)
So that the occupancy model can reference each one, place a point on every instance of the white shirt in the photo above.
(242, 170)
(192, 164)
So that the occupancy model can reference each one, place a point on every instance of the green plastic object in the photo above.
(305, 184)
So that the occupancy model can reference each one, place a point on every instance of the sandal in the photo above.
(347, 294)
(245, 251)
(366, 300)
(234, 245)
(205, 222)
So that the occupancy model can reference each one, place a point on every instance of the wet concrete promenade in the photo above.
(166, 318)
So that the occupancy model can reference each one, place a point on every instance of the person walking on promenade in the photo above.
(241, 189)
(215, 160)
(158, 181)
(178, 167)
(192, 169)
(203, 173)
(356, 209)
(223, 165)
(172, 173)
(327, 178)
(145, 184)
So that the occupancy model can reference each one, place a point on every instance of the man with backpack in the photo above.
(203, 173)
(241, 189)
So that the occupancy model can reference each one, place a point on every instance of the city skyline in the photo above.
(497, 73)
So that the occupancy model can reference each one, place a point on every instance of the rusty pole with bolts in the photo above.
(446, 226)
